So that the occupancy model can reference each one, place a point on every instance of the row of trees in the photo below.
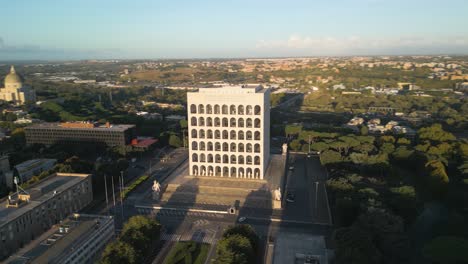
(239, 245)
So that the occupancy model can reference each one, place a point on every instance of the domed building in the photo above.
(15, 91)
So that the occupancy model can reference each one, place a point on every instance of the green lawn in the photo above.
(188, 253)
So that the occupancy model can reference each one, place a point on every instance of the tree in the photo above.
(330, 157)
(364, 130)
(245, 231)
(118, 252)
(291, 130)
(446, 249)
(235, 249)
(175, 141)
(354, 246)
(295, 145)
(435, 133)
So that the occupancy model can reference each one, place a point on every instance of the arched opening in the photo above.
(225, 122)
(240, 135)
(240, 148)
(201, 109)
(202, 133)
(194, 133)
(210, 171)
(210, 156)
(217, 110)
(232, 110)
(194, 145)
(201, 121)
(218, 171)
(257, 110)
(233, 172)
(240, 110)
(202, 158)
(202, 145)
(248, 148)
(225, 110)
(225, 172)
(194, 157)
(241, 172)
(217, 134)
(209, 121)
(225, 147)
(225, 134)
(249, 122)
(233, 159)
(249, 173)
(217, 122)
(257, 148)
(257, 135)
(249, 160)
(193, 109)
(257, 160)
(202, 170)
(257, 173)
(240, 122)
(209, 146)
(225, 159)
(248, 135)
(249, 110)
(193, 121)
(240, 159)
(233, 147)
(217, 145)
(233, 134)
(218, 158)
(195, 170)
(209, 109)
(257, 123)
(209, 134)
(233, 122)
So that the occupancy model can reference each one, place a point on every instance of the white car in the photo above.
(242, 219)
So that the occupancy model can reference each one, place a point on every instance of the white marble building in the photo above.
(15, 90)
(229, 131)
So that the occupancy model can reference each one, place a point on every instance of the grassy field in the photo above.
(188, 253)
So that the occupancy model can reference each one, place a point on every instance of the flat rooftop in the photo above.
(234, 89)
(40, 192)
(103, 127)
(60, 239)
(27, 165)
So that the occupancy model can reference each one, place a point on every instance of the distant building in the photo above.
(27, 214)
(15, 91)
(26, 170)
(404, 130)
(174, 118)
(77, 132)
(4, 169)
(356, 121)
(78, 239)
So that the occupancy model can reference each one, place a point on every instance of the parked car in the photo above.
(242, 219)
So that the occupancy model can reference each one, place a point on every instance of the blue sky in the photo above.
(82, 29)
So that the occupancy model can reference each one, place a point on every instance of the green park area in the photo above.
(188, 252)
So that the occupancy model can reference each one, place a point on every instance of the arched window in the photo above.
(240, 159)
(249, 173)
(233, 134)
(233, 172)
(194, 133)
(194, 145)
(201, 121)
(217, 145)
(225, 159)
(249, 160)
(225, 172)
(225, 146)
(217, 122)
(241, 172)
(210, 170)
(257, 110)
(209, 146)
(249, 110)
(209, 109)
(218, 171)
(202, 158)
(202, 170)
(240, 122)
(232, 110)
(225, 110)
(248, 148)
(209, 121)
(248, 135)
(225, 122)
(257, 122)
(217, 110)
(225, 134)
(194, 157)
(257, 148)
(233, 122)
(201, 109)
(210, 157)
(240, 148)
(240, 135)
(202, 145)
(195, 170)
(240, 110)
(217, 134)
(218, 158)
(233, 147)
(209, 134)
(257, 135)
(233, 159)
(249, 122)
(202, 133)
(257, 160)
(193, 109)
(257, 173)
(193, 121)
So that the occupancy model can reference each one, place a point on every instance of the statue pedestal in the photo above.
(276, 204)
(156, 196)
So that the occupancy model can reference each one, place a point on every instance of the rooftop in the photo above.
(40, 192)
(81, 126)
(61, 239)
(234, 89)
(30, 164)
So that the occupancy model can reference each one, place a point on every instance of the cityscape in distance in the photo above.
(321, 132)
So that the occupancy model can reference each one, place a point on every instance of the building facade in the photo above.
(15, 90)
(27, 214)
(229, 131)
(78, 132)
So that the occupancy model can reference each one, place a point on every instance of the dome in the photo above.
(13, 77)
